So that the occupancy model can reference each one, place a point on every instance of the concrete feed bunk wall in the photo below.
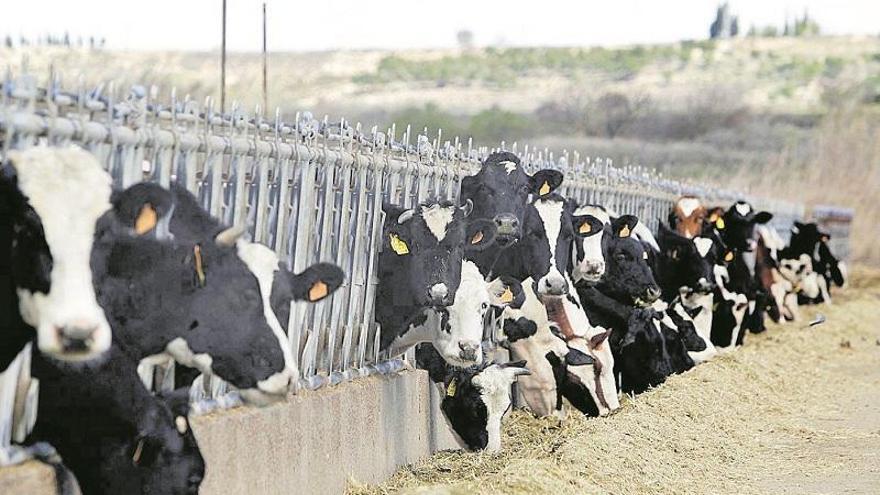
(313, 443)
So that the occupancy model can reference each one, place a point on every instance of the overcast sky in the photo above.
(329, 24)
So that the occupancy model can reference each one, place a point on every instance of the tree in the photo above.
(465, 39)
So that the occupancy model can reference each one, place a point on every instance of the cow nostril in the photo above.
(76, 338)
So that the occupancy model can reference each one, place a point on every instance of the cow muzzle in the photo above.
(552, 284)
(507, 226)
(470, 351)
(438, 295)
(704, 286)
(592, 271)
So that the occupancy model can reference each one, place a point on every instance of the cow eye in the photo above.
(620, 257)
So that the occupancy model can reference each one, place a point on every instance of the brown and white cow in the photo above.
(688, 216)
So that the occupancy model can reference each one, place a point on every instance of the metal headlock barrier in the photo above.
(310, 189)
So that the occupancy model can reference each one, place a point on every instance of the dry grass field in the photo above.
(795, 411)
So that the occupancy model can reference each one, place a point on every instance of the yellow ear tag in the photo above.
(398, 245)
(719, 224)
(728, 256)
(713, 217)
(146, 219)
(585, 228)
(545, 188)
(507, 295)
(450, 390)
(477, 237)
(624, 232)
(200, 271)
(318, 291)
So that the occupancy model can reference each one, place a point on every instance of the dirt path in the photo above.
(795, 411)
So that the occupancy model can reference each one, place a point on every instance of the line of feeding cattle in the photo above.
(589, 304)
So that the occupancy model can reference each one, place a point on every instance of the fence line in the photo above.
(311, 190)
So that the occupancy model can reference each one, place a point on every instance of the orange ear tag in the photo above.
(585, 228)
(507, 295)
(624, 232)
(318, 291)
(477, 237)
(146, 219)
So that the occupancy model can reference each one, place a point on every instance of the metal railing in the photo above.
(311, 190)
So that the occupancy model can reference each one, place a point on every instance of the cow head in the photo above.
(50, 202)
(687, 216)
(628, 276)
(643, 357)
(737, 225)
(475, 399)
(196, 301)
(589, 384)
(808, 238)
(163, 457)
(461, 323)
(548, 236)
(500, 192)
(588, 262)
(687, 261)
(425, 246)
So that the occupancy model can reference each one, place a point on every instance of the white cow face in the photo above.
(588, 262)
(54, 198)
(460, 333)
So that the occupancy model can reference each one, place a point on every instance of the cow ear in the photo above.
(586, 225)
(763, 217)
(507, 292)
(145, 210)
(393, 212)
(479, 234)
(543, 182)
(316, 282)
(597, 339)
(623, 226)
(578, 358)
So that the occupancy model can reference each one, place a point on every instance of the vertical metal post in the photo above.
(223, 63)
(265, 79)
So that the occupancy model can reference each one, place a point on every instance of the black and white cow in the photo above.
(425, 285)
(194, 301)
(50, 202)
(475, 399)
(570, 357)
(500, 192)
(621, 301)
(806, 238)
(278, 286)
(737, 229)
(111, 432)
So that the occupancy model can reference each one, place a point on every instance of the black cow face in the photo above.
(686, 263)
(548, 236)
(163, 459)
(737, 226)
(50, 201)
(641, 354)
(628, 276)
(806, 238)
(501, 190)
(198, 302)
(422, 250)
(475, 399)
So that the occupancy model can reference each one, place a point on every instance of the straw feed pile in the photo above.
(778, 415)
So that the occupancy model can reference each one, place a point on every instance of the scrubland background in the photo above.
(792, 118)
